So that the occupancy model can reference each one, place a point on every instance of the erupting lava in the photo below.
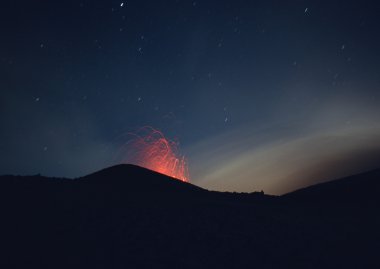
(150, 149)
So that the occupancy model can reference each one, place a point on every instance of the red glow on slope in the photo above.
(150, 149)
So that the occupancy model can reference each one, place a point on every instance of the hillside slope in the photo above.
(129, 217)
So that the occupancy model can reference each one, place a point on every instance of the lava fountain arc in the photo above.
(149, 148)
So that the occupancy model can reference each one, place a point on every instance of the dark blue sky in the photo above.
(236, 81)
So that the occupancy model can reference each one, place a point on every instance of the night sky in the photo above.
(260, 95)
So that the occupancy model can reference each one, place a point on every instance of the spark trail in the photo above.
(150, 149)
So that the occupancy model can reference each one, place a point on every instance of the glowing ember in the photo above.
(150, 149)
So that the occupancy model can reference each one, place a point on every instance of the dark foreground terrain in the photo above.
(129, 217)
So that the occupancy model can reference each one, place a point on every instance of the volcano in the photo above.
(126, 216)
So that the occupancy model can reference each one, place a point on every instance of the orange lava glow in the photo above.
(150, 149)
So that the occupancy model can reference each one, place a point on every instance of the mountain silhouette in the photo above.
(130, 217)
(356, 189)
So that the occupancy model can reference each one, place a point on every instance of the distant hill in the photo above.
(129, 217)
(356, 189)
